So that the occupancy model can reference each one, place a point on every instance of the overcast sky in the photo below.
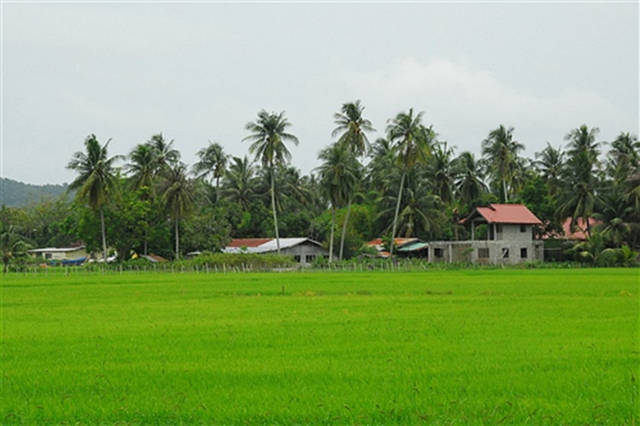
(199, 72)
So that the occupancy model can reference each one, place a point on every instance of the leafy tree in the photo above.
(268, 135)
(441, 171)
(12, 246)
(206, 228)
(96, 178)
(239, 182)
(624, 156)
(412, 140)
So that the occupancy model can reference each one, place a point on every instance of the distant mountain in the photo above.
(17, 194)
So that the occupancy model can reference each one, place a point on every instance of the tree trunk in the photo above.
(146, 240)
(104, 235)
(395, 216)
(344, 228)
(177, 230)
(504, 188)
(333, 224)
(273, 207)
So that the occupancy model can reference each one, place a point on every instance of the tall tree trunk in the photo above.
(504, 188)
(333, 225)
(104, 235)
(395, 216)
(273, 207)
(344, 228)
(177, 232)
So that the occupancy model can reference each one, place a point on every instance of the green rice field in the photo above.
(456, 347)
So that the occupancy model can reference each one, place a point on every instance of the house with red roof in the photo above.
(508, 238)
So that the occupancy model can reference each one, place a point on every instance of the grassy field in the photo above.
(501, 346)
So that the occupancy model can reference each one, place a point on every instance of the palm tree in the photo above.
(580, 198)
(11, 245)
(338, 174)
(412, 140)
(468, 183)
(268, 135)
(96, 178)
(550, 163)
(441, 171)
(351, 127)
(166, 155)
(142, 168)
(501, 155)
(142, 164)
(624, 157)
(178, 197)
(238, 184)
(213, 162)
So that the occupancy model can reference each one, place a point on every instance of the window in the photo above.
(48, 255)
(483, 253)
(505, 253)
(437, 252)
(523, 228)
(297, 258)
(523, 253)
(309, 258)
(499, 228)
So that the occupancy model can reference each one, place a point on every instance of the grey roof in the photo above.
(270, 246)
(56, 249)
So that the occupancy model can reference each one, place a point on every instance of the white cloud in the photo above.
(464, 104)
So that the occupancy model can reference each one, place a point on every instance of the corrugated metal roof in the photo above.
(248, 242)
(269, 245)
(56, 249)
(418, 245)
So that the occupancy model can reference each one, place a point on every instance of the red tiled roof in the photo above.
(579, 231)
(508, 213)
(248, 242)
(398, 241)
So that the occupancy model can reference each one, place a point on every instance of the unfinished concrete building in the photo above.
(509, 238)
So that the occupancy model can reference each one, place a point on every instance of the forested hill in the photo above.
(15, 194)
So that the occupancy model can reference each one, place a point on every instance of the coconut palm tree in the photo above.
(550, 163)
(142, 165)
(96, 178)
(166, 155)
(580, 198)
(500, 153)
(178, 196)
(441, 172)
(468, 183)
(412, 141)
(142, 169)
(351, 129)
(238, 184)
(624, 156)
(338, 174)
(212, 163)
(268, 135)
(11, 245)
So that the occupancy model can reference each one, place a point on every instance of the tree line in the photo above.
(408, 183)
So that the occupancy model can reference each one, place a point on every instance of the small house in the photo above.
(303, 250)
(60, 253)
